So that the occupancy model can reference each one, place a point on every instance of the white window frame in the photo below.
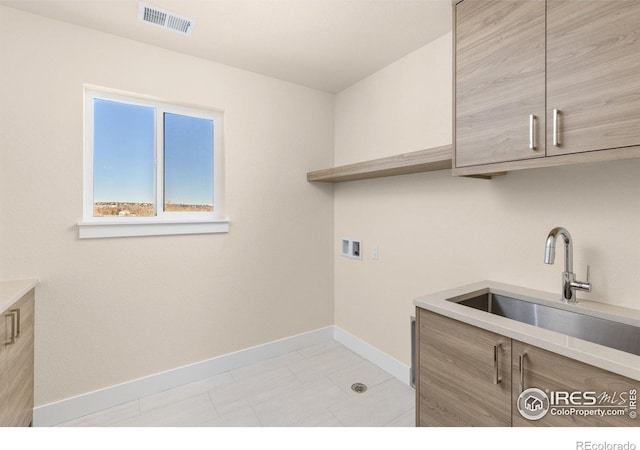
(163, 223)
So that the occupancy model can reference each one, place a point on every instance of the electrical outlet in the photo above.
(374, 252)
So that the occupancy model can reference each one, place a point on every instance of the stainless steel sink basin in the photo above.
(611, 334)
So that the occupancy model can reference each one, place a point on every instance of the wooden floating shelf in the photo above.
(436, 158)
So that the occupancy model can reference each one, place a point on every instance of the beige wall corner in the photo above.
(112, 310)
(434, 231)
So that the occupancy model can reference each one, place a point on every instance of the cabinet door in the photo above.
(553, 373)
(4, 335)
(593, 75)
(20, 366)
(499, 81)
(456, 370)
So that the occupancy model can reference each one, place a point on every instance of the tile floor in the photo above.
(310, 387)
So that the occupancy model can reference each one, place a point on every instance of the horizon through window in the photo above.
(123, 159)
(150, 160)
(188, 163)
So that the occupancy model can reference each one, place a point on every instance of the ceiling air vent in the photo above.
(165, 19)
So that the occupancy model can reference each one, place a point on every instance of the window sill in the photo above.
(92, 230)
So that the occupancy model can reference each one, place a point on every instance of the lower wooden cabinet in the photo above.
(16, 363)
(457, 369)
(584, 396)
(4, 351)
(468, 376)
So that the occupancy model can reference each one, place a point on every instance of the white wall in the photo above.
(112, 310)
(435, 231)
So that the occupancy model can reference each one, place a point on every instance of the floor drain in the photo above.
(358, 388)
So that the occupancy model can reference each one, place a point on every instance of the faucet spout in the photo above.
(550, 248)
(569, 283)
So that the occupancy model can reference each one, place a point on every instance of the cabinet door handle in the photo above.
(17, 313)
(532, 132)
(496, 365)
(12, 337)
(556, 127)
(414, 366)
(521, 368)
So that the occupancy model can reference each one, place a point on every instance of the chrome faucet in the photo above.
(569, 283)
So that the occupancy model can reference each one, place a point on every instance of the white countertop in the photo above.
(616, 361)
(12, 291)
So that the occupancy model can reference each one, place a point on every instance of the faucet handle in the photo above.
(582, 285)
(588, 267)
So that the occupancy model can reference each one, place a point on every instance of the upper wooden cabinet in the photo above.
(542, 83)
(500, 83)
(593, 75)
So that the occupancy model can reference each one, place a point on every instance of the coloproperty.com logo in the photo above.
(534, 403)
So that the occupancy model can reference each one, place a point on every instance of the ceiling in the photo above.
(324, 44)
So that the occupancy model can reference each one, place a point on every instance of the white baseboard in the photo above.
(399, 370)
(81, 405)
(91, 402)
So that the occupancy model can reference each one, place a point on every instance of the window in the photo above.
(150, 168)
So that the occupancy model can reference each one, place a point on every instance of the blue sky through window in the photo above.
(188, 160)
(124, 155)
(123, 152)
